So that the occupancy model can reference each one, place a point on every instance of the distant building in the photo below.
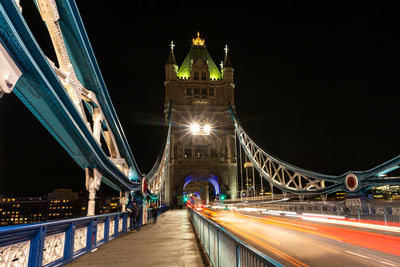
(23, 210)
(64, 203)
(106, 205)
(59, 204)
(63, 193)
(386, 192)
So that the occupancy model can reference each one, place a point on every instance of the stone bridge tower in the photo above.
(203, 155)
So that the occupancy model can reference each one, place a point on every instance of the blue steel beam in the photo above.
(260, 159)
(41, 91)
(88, 72)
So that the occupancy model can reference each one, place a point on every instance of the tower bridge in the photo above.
(204, 153)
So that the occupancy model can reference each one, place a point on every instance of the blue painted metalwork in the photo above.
(88, 72)
(159, 170)
(41, 91)
(271, 167)
(223, 248)
(37, 232)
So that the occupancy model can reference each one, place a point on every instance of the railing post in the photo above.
(125, 223)
(107, 229)
(69, 242)
(36, 252)
(237, 255)
(218, 248)
(384, 215)
(90, 235)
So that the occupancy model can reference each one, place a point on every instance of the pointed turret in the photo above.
(171, 67)
(198, 51)
(171, 58)
(227, 70)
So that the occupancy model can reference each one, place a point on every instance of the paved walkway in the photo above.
(170, 242)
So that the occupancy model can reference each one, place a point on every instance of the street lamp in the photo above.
(197, 129)
(207, 129)
(194, 128)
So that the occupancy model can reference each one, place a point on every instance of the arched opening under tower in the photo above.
(200, 186)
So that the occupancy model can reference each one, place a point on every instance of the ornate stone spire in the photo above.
(171, 58)
(227, 61)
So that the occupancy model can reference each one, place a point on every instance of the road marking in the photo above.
(359, 255)
(388, 263)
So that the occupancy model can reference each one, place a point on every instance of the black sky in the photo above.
(316, 86)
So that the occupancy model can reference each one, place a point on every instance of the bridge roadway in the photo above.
(295, 242)
(169, 242)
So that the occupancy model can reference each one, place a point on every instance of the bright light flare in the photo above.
(194, 128)
(207, 129)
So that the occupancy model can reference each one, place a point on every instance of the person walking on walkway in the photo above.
(129, 208)
(137, 217)
(155, 213)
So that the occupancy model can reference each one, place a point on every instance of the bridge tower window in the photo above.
(203, 76)
(196, 91)
(211, 92)
(188, 91)
(196, 75)
(188, 153)
(200, 151)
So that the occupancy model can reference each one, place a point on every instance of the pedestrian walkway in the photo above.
(170, 242)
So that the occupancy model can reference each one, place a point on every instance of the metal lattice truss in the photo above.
(278, 174)
(290, 178)
(156, 177)
(80, 96)
(68, 96)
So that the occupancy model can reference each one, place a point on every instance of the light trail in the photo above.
(267, 232)
(245, 233)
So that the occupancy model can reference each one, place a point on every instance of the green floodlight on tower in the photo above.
(185, 198)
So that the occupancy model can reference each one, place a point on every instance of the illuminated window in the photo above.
(188, 91)
(188, 152)
(203, 76)
(196, 75)
(211, 91)
(200, 151)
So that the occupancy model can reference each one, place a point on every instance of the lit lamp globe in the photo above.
(207, 129)
(194, 128)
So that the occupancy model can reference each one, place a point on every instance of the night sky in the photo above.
(316, 86)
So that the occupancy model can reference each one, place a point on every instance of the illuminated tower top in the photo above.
(198, 41)
(198, 51)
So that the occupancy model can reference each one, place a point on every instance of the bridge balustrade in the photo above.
(224, 249)
(161, 211)
(58, 242)
(374, 213)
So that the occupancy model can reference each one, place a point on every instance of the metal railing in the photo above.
(224, 249)
(374, 213)
(161, 210)
(59, 242)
